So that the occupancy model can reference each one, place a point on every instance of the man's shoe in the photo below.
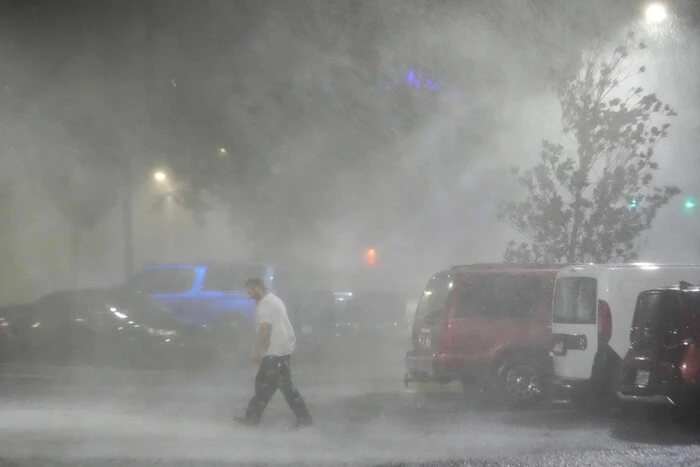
(246, 421)
(303, 423)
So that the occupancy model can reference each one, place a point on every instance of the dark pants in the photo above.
(273, 374)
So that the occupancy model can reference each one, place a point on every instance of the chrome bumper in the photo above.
(653, 400)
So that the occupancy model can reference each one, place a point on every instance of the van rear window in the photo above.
(575, 300)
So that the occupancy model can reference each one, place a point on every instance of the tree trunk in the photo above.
(579, 181)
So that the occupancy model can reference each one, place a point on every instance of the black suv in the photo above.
(662, 365)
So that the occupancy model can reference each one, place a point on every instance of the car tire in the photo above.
(520, 382)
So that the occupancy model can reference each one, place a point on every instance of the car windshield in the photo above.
(575, 300)
(86, 303)
(141, 306)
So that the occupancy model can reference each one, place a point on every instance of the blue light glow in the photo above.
(414, 79)
(418, 80)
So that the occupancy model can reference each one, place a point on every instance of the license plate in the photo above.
(642, 378)
(306, 330)
(424, 339)
(425, 367)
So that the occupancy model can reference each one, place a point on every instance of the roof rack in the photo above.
(508, 266)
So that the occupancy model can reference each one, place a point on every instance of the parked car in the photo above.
(592, 315)
(372, 320)
(202, 293)
(102, 328)
(488, 323)
(213, 295)
(662, 365)
(310, 311)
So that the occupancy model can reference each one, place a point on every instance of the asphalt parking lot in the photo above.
(361, 418)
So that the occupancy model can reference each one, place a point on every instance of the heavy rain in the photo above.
(457, 232)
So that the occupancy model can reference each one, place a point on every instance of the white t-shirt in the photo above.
(271, 309)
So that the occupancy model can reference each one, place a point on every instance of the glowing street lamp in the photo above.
(655, 13)
(223, 151)
(160, 176)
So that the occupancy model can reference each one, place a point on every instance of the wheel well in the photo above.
(522, 353)
(495, 378)
(605, 364)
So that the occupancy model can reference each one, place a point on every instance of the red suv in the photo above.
(488, 323)
(663, 361)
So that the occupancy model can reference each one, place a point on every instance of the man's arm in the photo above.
(262, 341)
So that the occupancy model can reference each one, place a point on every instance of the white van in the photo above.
(592, 316)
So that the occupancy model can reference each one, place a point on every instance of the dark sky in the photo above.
(289, 88)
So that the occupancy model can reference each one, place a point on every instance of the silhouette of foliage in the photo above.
(592, 203)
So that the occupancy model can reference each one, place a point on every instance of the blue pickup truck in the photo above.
(213, 295)
(202, 293)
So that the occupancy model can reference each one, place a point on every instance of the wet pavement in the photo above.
(361, 418)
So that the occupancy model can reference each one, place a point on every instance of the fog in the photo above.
(494, 105)
(200, 68)
(308, 131)
(362, 415)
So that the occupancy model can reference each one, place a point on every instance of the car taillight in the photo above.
(634, 335)
(604, 323)
(448, 335)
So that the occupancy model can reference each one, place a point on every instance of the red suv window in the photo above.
(498, 295)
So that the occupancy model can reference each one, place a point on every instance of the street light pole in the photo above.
(161, 178)
(169, 208)
(127, 201)
(127, 214)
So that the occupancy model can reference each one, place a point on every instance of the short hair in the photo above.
(254, 282)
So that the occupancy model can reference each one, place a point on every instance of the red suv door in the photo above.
(495, 311)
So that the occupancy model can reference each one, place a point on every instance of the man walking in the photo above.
(272, 349)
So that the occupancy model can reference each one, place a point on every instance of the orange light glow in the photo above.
(371, 256)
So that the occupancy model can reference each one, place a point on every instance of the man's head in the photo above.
(255, 288)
